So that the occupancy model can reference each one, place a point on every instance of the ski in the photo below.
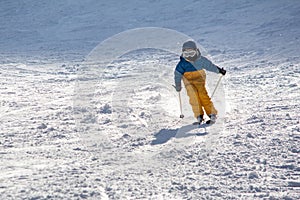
(203, 124)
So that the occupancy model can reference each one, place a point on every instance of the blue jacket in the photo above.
(185, 66)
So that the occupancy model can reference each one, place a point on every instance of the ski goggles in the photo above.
(189, 53)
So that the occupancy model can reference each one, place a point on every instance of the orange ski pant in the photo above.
(198, 97)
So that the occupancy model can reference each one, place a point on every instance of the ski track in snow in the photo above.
(133, 145)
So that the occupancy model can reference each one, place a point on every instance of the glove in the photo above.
(222, 71)
(178, 88)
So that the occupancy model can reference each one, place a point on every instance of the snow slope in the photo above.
(117, 134)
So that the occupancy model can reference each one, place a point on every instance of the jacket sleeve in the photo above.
(209, 66)
(178, 73)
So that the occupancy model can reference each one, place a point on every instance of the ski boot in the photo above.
(200, 120)
(212, 119)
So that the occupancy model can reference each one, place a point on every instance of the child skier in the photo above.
(191, 69)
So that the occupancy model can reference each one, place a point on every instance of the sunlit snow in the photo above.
(86, 113)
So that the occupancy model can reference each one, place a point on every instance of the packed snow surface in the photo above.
(67, 132)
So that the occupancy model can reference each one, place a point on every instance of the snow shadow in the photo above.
(164, 135)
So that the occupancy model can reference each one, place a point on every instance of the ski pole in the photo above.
(216, 86)
(180, 104)
(181, 115)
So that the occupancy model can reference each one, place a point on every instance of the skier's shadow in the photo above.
(164, 135)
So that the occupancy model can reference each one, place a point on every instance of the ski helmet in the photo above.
(189, 45)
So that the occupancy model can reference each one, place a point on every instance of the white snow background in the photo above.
(125, 143)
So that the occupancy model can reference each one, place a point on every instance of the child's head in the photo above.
(190, 50)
